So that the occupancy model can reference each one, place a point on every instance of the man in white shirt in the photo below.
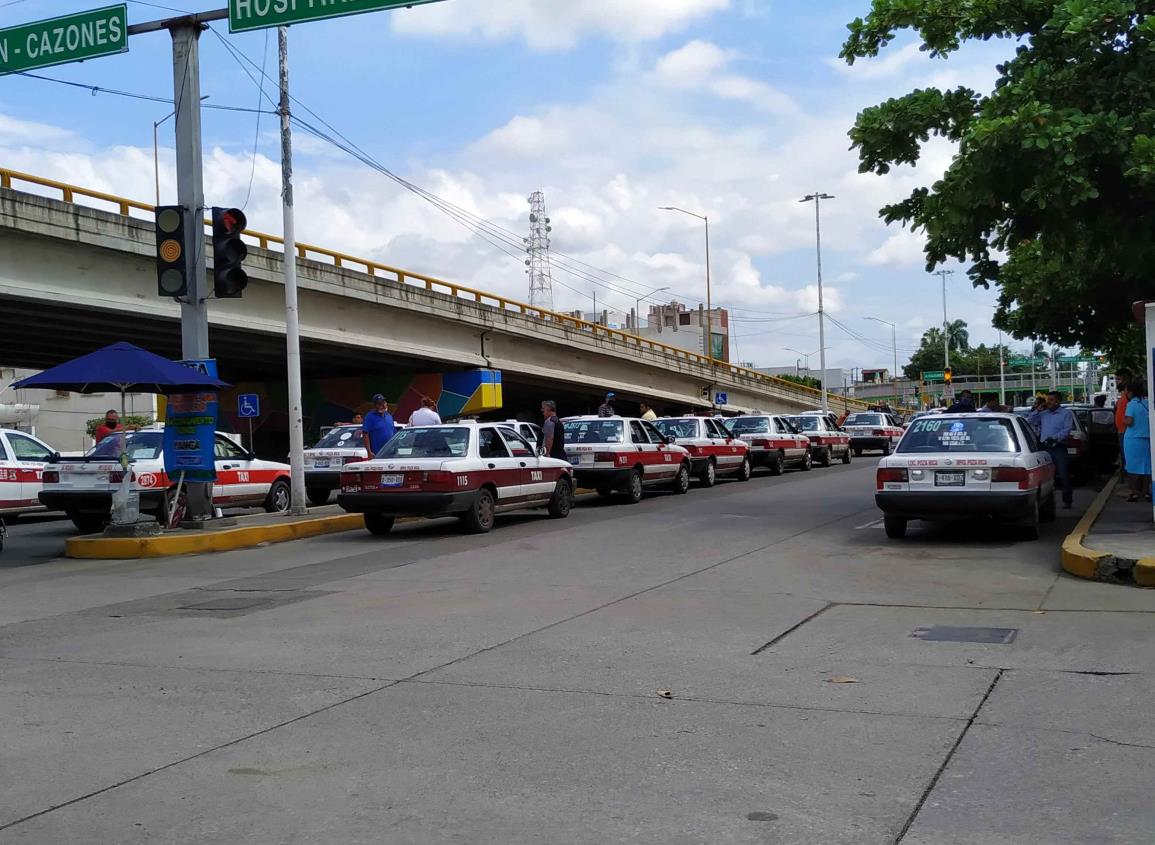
(426, 414)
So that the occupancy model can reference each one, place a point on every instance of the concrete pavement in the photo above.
(436, 687)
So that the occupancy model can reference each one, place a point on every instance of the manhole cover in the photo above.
(953, 634)
(226, 604)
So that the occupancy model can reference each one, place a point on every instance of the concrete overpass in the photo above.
(75, 276)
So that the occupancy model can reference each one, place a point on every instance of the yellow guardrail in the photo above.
(70, 193)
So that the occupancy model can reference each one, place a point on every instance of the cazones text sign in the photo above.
(71, 38)
(258, 14)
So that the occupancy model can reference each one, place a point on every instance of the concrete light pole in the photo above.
(893, 342)
(942, 274)
(805, 355)
(817, 199)
(709, 305)
(638, 305)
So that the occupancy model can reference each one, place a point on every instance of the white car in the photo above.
(82, 487)
(827, 440)
(775, 442)
(22, 461)
(872, 430)
(624, 454)
(714, 451)
(959, 466)
(530, 431)
(341, 444)
(470, 470)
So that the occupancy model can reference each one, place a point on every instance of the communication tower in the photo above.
(537, 252)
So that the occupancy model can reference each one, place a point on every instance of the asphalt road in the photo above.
(754, 663)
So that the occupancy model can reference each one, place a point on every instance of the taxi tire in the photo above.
(824, 457)
(634, 487)
(173, 507)
(480, 516)
(846, 456)
(88, 523)
(807, 462)
(1047, 511)
(280, 487)
(1029, 527)
(745, 470)
(777, 464)
(895, 526)
(681, 482)
(857, 454)
(886, 448)
(378, 524)
(561, 502)
(709, 476)
(318, 495)
(604, 491)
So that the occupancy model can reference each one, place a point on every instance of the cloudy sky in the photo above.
(731, 108)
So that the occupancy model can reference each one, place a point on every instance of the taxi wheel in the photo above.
(824, 457)
(745, 471)
(1029, 527)
(895, 526)
(479, 518)
(634, 486)
(318, 495)
(88, 523)
(807, 462)
(279, 498)
(709, 475)
(777, 464)
(846, 456)
(1047, 508)
(378, 524)
(604, 491)
(682, 479)
(561, 501)
(886, 448)
(857, 454)
(174, 509)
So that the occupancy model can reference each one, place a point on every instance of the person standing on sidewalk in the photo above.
(1122, 379)
(1137, 441)
(552, 432)
(1055, 424)
(378, 428)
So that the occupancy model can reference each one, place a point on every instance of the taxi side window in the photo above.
(225, 449)
(780, 426)
(1028, 434)
(516, 443)
(655, 435)
(27, 449)
(638, 433)
(4, 449)
(490, 444)
(711, 429)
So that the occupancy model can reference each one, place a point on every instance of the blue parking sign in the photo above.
(248, 405)
(721, 399)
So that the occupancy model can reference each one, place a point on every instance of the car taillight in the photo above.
(1010, 475)
(1075, 441)
(115, 476)
(51, 476)
(892, 474)
(438, 477)
(878, 432)
(351, 482)
(603, 457)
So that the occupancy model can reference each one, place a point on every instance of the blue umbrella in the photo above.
(124, 368)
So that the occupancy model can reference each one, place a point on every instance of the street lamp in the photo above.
(805, 355)
(156, 124)
(709, 305)
(638, 305)
(817, 199)
(893, 341)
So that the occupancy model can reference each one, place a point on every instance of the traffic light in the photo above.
(947, 375)
(172, 261)
(229, 279)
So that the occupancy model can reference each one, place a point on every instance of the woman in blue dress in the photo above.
(1137, 442)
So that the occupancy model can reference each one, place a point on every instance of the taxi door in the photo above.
(235, 484)
(536, 483)
(797, 449)
(9, 479)
(29, 456)
(722, 447)
(507, 473)
(656, 457)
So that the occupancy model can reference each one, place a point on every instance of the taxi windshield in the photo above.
(141, 446)
(805, 423)
(594, 431)
(677, 428)
(432, 442)
(346, 435)
(970, 434)
(749, 425)
(865, 419)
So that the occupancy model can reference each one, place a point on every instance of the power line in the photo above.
(98, 89)
(257, 131)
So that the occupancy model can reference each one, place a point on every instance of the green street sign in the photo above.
(70, 38)
(933, 375)
(1075, 359)
(245, 15)
(1026, 362)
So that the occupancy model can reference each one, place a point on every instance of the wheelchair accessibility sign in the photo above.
(248, 405)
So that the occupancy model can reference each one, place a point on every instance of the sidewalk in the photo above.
(1115, 540)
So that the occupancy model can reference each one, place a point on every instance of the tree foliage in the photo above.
(1051, 197)
(964, 358)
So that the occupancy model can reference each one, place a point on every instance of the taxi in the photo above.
(872, 430)
(827, 440)
(530, 431)
(624, 454)
(22, 461)
(775, 442)
(959, 466)
(467, 469)
(341, 444)
(82, 487)
(714, 451)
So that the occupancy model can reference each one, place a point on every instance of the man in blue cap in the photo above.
(606, 409)
(378, 428)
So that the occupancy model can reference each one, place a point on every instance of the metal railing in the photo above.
(71, 193)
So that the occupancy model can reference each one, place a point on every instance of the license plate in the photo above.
(1072, 451)
(321, 464)
(392, 480)
(950, 479)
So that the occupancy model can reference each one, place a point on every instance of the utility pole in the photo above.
(893, 343)
(942, 274)
(292, 322)
(1002, 373)
(708, 346)
(817, 198)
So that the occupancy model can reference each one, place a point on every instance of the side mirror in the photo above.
(669, 440)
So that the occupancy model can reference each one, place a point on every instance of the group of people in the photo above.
(378, 426)
(1133, 422)
(606, 409)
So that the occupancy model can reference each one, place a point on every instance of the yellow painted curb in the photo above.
(1144, 572)
(1077, 558)
(200, 542)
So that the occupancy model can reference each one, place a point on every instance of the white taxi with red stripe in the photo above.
(22, 461)
(624, 454)
(469, 469)
(775, 442)
(872, 430)
(714, 451)
(341, 445)
(961, 466)
(82, 487)
(827, 440)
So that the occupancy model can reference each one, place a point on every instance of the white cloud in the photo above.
(555, 24)
(701, 66)
(891, 63)
(901, 249)
(692, 63)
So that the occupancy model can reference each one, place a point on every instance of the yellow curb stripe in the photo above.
(200, 542)
(1077, 558)
(1144, 572)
